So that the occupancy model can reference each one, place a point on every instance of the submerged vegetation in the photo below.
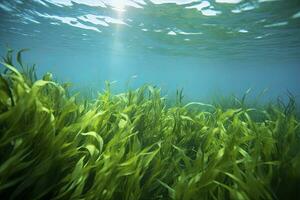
(132, 146)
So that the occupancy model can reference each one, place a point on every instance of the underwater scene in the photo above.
(149, 99)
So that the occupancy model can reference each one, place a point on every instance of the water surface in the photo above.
(205, 47)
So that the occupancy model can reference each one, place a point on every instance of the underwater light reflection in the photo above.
(119, 5)
(117, 43)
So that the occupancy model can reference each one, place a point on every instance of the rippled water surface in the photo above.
(206, 47)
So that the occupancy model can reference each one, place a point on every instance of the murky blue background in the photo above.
(214, 47)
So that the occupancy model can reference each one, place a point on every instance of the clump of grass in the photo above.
(132, 146)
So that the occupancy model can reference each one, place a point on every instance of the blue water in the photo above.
(214, 47)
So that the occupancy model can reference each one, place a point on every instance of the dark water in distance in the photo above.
(205, 47)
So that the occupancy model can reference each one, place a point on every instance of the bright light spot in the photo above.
(261, 1)
(69, 20)
(244, 8)
(55, 23)
(70, 2)
(276, 24)
(118, 5)
(200, 6)
(236, 11)
(171, 33)
(243, 31)
(297, 15)
(229, 1)
(6, 8)
(60, 3)
(113, 20)
(187, 33)
(178, 2)
(31, 19)
(94, 19)
(41, 2)
(209, 12)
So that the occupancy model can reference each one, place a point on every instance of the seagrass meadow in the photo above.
(132, 146)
